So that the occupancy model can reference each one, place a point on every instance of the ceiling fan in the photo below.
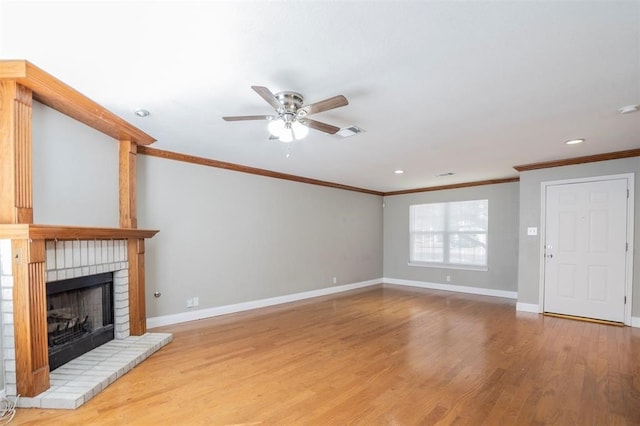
(290, 121)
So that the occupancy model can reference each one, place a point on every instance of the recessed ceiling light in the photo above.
(629, 108)
(574, 141)
(142, 113)
(398, 172)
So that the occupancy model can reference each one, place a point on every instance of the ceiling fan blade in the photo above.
(248, 117)
(268, 96)
(327, 104)
(323, 127)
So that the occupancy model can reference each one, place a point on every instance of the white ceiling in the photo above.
(472, 88)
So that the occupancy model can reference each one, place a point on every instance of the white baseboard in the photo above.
(254, 304)
(455, 288)
(528, 307)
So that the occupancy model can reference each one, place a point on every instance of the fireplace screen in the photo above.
(79, 316)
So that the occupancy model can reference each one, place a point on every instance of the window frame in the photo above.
(446, 238)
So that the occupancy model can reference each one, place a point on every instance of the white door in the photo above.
(585, 249)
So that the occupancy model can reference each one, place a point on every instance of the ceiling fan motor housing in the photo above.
(291, 101)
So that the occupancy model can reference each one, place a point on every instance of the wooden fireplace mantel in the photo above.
(29, 231)
(20, 84)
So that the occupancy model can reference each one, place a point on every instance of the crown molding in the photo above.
(579, 160)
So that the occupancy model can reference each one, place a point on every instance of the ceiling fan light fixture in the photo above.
(276, 127)
(287, 134)
(290, 122)
(300, 131)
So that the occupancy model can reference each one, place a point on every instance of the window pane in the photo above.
(427, 247)
(468, 215)
(427, 217)
(468, 249)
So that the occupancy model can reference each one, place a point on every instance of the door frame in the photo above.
(630, 178)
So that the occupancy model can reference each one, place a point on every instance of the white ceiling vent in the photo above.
(345, 132)
(629, 108)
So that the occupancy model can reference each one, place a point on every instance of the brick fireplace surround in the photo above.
(84, 377)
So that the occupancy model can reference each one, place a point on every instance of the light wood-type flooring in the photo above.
(384, 355)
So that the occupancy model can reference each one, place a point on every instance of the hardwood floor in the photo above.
(383, 355)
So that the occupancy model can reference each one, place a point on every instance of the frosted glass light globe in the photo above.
(276, 127)
(300, 131)
(286, 135)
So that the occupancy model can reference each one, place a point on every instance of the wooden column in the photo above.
(30, 317)
(16, 207)
(137, 307)
(16, 195)
(127, 163)
(129, 219)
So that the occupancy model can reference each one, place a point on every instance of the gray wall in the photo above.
(226, 237)
(530, 187)
(230, 237)
(503, 238)
(75, 172)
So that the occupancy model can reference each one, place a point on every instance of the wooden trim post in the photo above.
(30, 316)
(128, 219)
(16, 207)
(127, 174)
(137, 307)
(16, 193)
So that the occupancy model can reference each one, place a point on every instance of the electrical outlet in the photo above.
(335, 280)
(532, 230)
(189, 303)
(196, 301)
(448, 278)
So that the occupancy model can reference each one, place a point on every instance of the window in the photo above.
(449, 234)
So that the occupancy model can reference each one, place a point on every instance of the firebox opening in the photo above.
(79, 316)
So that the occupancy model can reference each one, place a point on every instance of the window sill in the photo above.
(450, 266)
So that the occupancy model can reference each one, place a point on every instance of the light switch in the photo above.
(532, 230)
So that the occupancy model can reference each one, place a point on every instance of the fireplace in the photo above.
(80, 316)
(77, 381)
(26, 265)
